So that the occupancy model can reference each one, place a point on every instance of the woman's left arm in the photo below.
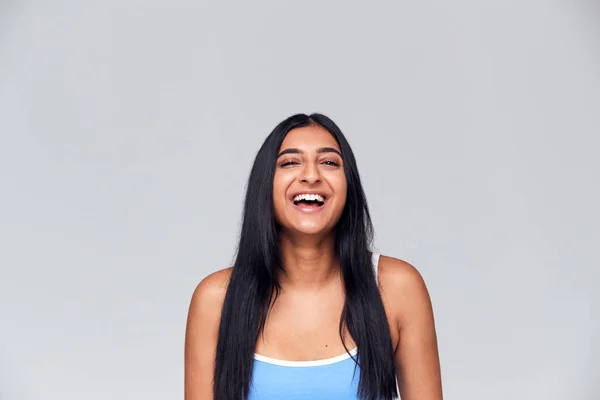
(416, 357)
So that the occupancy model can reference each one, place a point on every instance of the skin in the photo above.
(303, 324)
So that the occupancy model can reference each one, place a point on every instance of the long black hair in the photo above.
(253, 285)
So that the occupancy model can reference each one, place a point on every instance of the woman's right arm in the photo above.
(201, 335)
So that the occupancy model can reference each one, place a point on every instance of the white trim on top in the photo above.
(315, 363)
(375, 261)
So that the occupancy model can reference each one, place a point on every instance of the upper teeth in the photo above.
(313, 197)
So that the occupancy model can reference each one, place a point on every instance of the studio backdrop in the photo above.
(127, 133)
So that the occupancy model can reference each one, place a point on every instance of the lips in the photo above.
(305, 207)
(322, 194)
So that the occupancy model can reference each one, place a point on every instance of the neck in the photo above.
(309, 261)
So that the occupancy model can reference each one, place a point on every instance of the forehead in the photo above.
(309, 138)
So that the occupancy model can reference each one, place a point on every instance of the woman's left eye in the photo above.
(330, 162)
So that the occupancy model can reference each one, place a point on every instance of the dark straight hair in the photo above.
(253, 286)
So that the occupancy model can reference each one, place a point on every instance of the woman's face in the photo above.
(309, 188)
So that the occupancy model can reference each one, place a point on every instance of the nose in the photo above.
(310, 174)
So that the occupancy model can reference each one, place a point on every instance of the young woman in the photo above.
(308, 311)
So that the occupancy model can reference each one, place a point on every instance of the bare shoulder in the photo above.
(210, 292)
(399, 274)
(416, 351)
(404, 287)
(201, 335)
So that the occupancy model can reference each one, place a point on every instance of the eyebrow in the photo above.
(319, 151)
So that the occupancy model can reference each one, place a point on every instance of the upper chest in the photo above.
(306, 325)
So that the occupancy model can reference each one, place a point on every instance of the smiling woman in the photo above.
(309, 165)
(308, 310)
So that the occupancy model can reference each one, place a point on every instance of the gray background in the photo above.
(128, 129)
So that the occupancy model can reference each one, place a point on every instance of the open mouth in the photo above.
(309, 200)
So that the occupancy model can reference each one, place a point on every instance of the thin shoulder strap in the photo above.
(375, 259)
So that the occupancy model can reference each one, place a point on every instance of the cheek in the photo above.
(340, 186)
(343, 190)
(279, 185)
(341, 202)
(279, 198)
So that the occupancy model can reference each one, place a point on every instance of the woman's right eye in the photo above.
(286, 163)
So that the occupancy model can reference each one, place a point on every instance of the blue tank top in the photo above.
(332, 378)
